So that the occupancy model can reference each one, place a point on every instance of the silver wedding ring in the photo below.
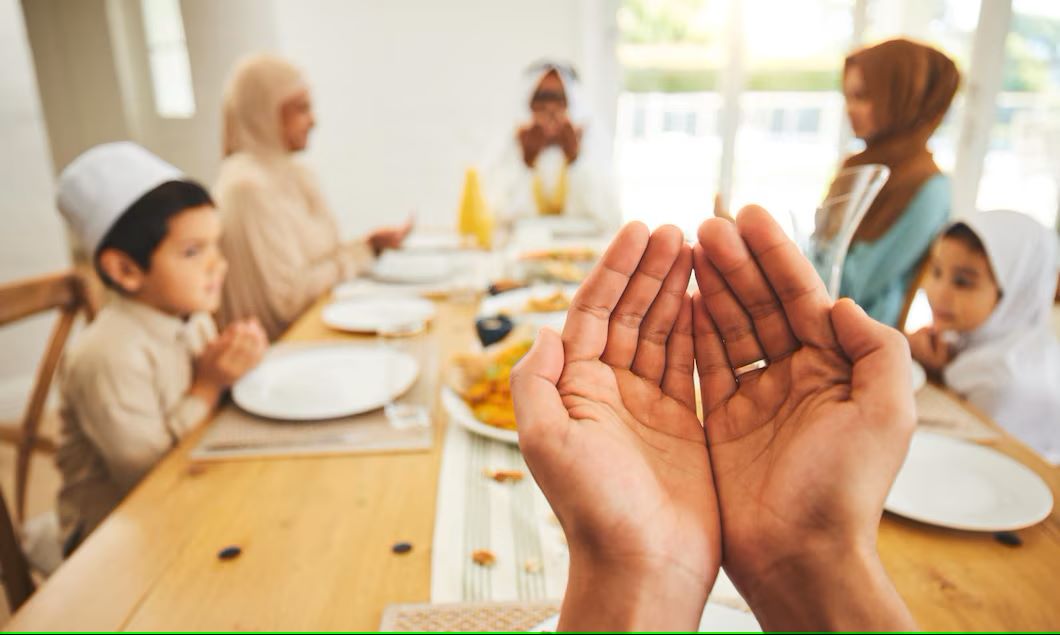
(750, 368)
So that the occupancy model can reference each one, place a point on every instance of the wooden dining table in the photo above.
(316, 537)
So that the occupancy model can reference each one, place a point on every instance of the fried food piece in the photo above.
(503, 476)
(557, 301)
(563, 254)
(483, 557)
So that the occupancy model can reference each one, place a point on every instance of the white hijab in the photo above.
(1010, 366)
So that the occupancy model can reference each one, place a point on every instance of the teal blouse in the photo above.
(877, 274)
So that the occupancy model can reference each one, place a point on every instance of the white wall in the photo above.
(32, 240)
(78, 81)
(408, 93)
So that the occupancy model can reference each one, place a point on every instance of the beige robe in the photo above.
(124, 385)
(281, 240)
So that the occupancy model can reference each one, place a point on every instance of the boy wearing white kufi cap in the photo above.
(149, 368)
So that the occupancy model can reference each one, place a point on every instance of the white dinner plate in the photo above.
(324, 381)
(413, 267)
(962, 485)
(370, 314)
(513, 304)
(459, 411)
(432, 242)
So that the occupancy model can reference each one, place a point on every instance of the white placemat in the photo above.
(512, 520)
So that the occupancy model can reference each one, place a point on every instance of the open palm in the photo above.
(607, 414)
(780, 437)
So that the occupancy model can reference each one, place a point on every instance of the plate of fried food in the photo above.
(537, 305)
(477, 394)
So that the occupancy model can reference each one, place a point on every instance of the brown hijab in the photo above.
(911, 87)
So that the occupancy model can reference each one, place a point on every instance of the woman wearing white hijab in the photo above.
(553, 161)
(280, 237)
(1008, 363)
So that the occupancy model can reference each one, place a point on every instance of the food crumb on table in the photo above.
(503, 476)
(483, 557)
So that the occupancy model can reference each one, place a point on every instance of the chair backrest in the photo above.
(66, 292)
(14, 569)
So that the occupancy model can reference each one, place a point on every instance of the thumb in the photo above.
(881, 380)
(539, 411)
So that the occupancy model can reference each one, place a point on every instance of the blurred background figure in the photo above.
(991, 282)
(279, 235)
(896, 95)
(551, 164)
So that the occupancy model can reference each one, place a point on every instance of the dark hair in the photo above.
(966, 235)
(144, 225)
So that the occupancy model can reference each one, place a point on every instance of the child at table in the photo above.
(990, 286)
(150, 366)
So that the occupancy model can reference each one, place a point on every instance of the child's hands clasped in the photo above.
(930, 350)
(231, 355)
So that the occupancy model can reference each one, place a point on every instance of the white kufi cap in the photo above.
(98, 186)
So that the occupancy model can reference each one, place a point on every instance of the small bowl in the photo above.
(493, 329)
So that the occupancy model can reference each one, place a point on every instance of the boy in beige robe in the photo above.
(151, 366)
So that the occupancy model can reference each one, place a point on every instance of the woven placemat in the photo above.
(939, 411)
(235, 433)
(489, 616)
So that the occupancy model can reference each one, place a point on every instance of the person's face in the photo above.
(296, 118)
(549, 105)
(187, 268)
(859, 108)
(960, 286)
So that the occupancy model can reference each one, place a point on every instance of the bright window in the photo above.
(168, 58)
(682, 135)
(1022, 165)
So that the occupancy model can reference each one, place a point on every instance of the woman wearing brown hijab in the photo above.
(896, 95)
(280, 237)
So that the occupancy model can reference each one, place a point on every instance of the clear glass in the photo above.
(411, 409)
(838, 218)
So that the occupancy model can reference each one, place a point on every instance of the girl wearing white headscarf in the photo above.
(1008, 364)
(554, 160)
(280, 237)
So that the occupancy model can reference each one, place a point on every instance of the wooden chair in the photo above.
(68, 293)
